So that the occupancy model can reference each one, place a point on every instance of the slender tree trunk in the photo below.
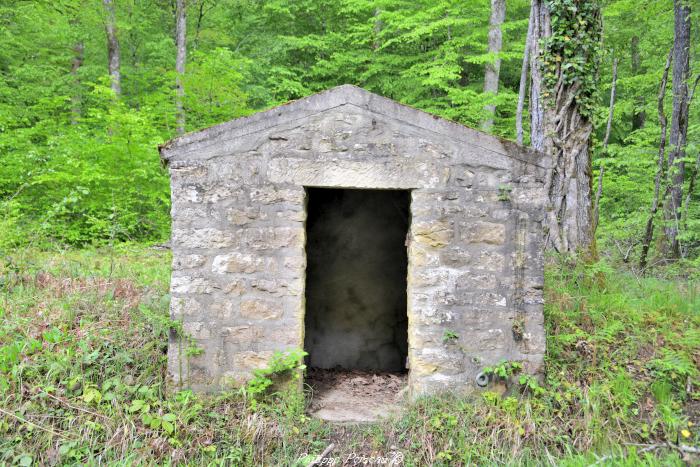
(540, 24)
(113, 55)
(638, 115)
(181, 58)
(493, 69)
(660, 164)
(679, 127)
(377, 29)
(523, 81)
(694, 172)
(78, 56)
(611, 110)
(560, 130)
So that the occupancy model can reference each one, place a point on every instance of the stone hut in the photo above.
(373, 235)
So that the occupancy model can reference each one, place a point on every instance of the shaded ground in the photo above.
(354, 395)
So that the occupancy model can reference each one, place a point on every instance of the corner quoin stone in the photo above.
(475, 257)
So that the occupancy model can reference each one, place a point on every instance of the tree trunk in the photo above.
(523, 81)
(181, 44)
(493, 69)
(113, 56)
(679, 127)
(660, 163)
(694, 172)
(608, 127)
(559, 129)
(611, 109)
(78, 56)
(377, 29)
(638, 114)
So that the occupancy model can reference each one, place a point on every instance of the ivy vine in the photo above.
(572, 51)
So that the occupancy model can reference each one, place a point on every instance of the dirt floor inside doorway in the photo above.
(355, 396)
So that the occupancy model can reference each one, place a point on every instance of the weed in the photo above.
(82, 379)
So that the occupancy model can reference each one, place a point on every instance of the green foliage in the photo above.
(449, 335)
(80, 166)
(82, 364)
(504, 192)
(504, 370)
(571, 53)
(287, 366)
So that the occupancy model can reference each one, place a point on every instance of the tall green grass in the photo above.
(83, 336)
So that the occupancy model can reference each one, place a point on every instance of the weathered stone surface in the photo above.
(207, 238)
(238, 216)
(260, 309)
(197, 330)
(189, 262)
(185, 306)
(191, 285)
(271, 238)
(436, 234)
(484, 232)
(252, 360)
(242, 263)
(475, 243)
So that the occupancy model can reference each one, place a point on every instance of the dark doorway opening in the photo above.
(356, 324)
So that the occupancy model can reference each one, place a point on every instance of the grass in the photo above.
(83, 336)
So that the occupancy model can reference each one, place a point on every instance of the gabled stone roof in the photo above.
(348, 94)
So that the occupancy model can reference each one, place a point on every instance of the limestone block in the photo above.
(267, 238)
(478, 281)
(242, 216)
(436, 234)
(234, 287)
(185, 306)
(490, 261)
(252, 360)
(358, 174)
(433, 315)
(422, 257)
(271, 195)
(191, 285)
(295, 263)
(188, 262)
(205, 238)
(428, 277)
(260, 309)
(464, 177)
(196, 329)
(241, 334)
(456, 257)
(447, 359)
(187, 171)
(278, 288)
(221, 310)
(242, 263)
(484, 232)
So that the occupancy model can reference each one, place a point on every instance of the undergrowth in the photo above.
(83, 337)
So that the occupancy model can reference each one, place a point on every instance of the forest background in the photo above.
(80, 163)
(90, 88)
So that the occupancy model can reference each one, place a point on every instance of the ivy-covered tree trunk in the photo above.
(113, 54)
(493, 69)
(564, 55)
(679, 127)
(180, 59)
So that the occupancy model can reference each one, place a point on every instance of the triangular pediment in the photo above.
(196, 144)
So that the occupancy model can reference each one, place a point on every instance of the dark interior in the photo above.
(356, 279)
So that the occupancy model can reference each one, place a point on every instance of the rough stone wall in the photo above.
(475, 241)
